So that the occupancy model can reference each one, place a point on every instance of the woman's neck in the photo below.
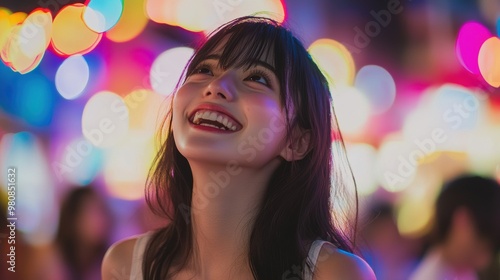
(226, 200)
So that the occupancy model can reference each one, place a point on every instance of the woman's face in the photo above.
(222, 115)
(93, 222)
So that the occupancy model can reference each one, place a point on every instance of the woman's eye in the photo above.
(259, 79)
(203, 70)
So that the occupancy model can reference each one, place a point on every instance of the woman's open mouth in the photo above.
(214, 119)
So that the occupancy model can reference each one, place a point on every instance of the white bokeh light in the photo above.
(168, 68)
(72, 77)
(105, 119)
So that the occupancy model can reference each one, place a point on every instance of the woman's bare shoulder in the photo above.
(117, 261)
(334, 263)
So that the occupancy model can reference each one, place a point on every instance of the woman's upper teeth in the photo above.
(215, 117)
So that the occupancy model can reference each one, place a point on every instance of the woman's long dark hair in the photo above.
(297, 206)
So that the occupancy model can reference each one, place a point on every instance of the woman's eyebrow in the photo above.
(248, 62)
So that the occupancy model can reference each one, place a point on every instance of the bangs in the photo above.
(243, 44)
(245, 47)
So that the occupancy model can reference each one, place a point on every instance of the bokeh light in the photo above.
(362, 158)
(4, 11)
(80, 162)
(168, 68)
(489, 61)
(131, 23)
(210, 14)
(105, 119)
(4, 26)
(70, 33)
(72, 77)
(396, 164)
(470, 38)
(34, 101)
(127, 166)
(92, 108)
(36, 30)
(145, 110)
(415, 208)
(26, 43)
(17, 17)
(442, 114)
(458, 107)
(161, 11)
(101, 15)
(35, 193)
(498, 26)
(334, 60)
(378, 86)
(415, 214)
(483, 151)
(351, 122)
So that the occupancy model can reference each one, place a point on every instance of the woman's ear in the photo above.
(298, 146)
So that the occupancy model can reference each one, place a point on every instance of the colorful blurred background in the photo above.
(84, 86)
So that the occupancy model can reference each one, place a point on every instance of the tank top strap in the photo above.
(138, 254)
(312, 257)
(143, 239)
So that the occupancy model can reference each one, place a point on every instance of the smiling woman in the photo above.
(246, 173)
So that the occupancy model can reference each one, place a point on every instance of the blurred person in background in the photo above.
(83, 233)
(81, 240)
(466, 230)
(392, 255)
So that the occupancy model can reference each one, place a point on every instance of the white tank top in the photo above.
(142, 241)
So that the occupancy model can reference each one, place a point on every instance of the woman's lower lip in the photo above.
(209, 128)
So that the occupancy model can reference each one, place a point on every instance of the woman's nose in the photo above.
(222, 86)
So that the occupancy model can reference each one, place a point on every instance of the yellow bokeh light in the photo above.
(225, 11)
(5, 10)
(127, 164)
(415, 208)
(131, 24)
(26, 42)
(208, 15)
(17, 18)
(145, 110)
(334, 60)
(414, 216)
(489, 61)
(162, 11)
(4, 26)
(70, 34)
